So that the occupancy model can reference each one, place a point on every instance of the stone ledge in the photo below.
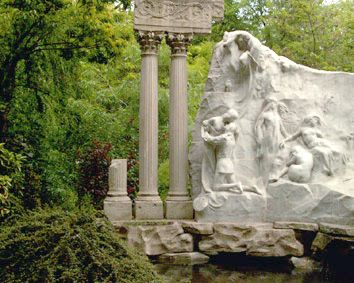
(296, 226)
(198, 228)
(335, 229)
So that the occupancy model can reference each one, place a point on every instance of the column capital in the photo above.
(149, 41)
(179, 42)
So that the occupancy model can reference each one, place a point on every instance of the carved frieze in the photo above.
(180, 16)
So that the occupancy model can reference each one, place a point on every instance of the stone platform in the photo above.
(190, 242)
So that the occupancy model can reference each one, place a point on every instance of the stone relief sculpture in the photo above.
(299, 166)
(326, 156)
(220, 136)
(177, 15)
(298, 162)
(223, 143)
(269, 130)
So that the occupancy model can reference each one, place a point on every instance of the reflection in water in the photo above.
(225, 268)
(211, 273)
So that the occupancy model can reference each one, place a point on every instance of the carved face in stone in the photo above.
(242, 42)
(230, 116)
(312, 121)
(215, 125)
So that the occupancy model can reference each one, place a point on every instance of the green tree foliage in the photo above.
(70, 74)
(55, 246)
(10, 176)
(312, 33)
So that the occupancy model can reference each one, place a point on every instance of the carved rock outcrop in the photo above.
(255, 240)
(289, 201)
(156, 240)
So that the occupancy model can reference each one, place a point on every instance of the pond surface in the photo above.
(212, 273)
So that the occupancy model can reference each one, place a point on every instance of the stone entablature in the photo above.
(179, 16)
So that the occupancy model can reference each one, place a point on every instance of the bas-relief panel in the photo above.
(285, 145)
(177, 16)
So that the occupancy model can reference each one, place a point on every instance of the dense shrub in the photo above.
(10, 168)
(93, 172)
(51, 245)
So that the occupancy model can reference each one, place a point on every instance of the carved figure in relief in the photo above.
(225, 132)
(323, 152)
(269, 130)
(299, 167)
(220, 135)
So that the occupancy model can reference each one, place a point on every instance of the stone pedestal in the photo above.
(149, 204)
(118, 206)
(178, 204)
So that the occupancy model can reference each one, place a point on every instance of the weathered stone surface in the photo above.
(116, 210)
(148, 210)
(177, 15)
(255, 240)
(198, 228)
(321, 241)
(335, 229)
(289, 201)
(296, 226)
(245, 208)
(183, 258)
(304, 263)
(156, 240)
(294, 126)
(179, 209)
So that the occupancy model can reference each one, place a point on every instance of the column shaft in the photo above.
(178, 128)
(148, 131)
(178, 204)
(148, 204)
(117, 205)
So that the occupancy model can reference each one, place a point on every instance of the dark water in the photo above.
(212, 273)
(215, 274)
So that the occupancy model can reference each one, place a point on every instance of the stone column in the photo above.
(178, 204)
(117, 205)
(148, 204)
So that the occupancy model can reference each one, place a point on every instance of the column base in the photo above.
(117, 210)
(179, 209)
(148, 209)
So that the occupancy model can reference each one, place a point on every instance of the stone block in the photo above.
(338, 230)
(183, 258)
(198, 228)
(179, 210)
(148, 210)
(320, 242)
(255, 240)
(296, 226)
(118, 210)
(159, 239)
(304, 263)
